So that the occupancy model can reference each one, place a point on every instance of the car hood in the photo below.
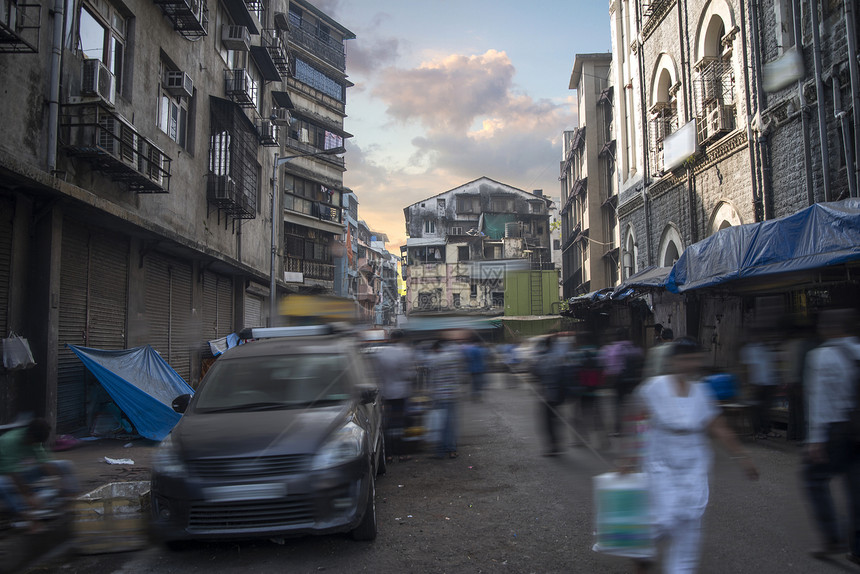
(276, 432)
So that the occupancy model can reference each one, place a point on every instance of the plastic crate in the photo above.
(112, 518)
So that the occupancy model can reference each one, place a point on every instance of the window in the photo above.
(456, 231)
(556, 244)
(429, 226)
(316, 79)
(473, 291)
(311, 198)
(173, 113)
(102, 36)
(502, 204)
(463, 253)
(319, 137)
(468, 204)
(456, 300)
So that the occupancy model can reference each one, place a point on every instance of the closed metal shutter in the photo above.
(168, 310)
(253, 311)
(6, 213)
(71, 373)
(108, 301)
(225, 306)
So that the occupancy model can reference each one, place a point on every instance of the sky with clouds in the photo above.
(447, 91)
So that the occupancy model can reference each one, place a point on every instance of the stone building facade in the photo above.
(136, 168)
(462, 242)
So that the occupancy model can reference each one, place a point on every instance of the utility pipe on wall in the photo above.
(54, 95)
(842, 116)
(819, 97)
(756, 202)
(804, 111)
(763, 144)
(854, 73)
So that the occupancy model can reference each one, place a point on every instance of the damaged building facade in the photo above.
(463, 242)
(136, 185)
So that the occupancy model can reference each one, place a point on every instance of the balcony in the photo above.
(226, 194)
(189, 17)
(277, 49)
(308, 36)
(240, 87)
(309, 269)
(110, 143)
(19, 27)
(301, 148)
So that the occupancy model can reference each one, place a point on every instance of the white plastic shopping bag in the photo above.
(622, 523)
(16, 353)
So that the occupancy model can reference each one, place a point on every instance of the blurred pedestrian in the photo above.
(657, 356)
(548, 371)
(397, 373)
(622, 368)
(24, 462)
(832, 449)
(446, 371)
(794, 351)
(681, 413)
(476, 359)
(587, 415)
(761, 373)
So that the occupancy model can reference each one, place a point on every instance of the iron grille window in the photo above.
(309, 75)
(233, 169)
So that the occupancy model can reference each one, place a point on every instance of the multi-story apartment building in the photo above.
(139, 141)
(462, 242)
(346, 271)
(588, 191)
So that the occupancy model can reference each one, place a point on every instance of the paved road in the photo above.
(501, 507)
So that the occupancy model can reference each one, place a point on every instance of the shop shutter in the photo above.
(209, 321)
(253, 311)
(181, 319)
(108, 301)
(225, 306)
(168, 310)
(71, 374)
(7, 210)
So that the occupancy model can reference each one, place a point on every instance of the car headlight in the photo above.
(342, 446)
(167, 460)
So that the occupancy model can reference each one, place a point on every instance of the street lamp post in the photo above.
(276, 217)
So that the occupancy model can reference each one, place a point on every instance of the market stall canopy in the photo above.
(647, 279)
(141, 383)
(819, 236)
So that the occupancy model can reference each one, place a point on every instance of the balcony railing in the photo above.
(19, 27)
(189, 17)
(277, 49)
(110, 143)
(309, 269)
(240, 87)
(308, 35)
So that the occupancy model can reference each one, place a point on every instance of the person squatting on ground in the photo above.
(397, 372)
(24, 462)
(681, 414)
(832, 448)
(446, 367)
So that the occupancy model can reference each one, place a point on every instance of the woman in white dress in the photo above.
(682, 414)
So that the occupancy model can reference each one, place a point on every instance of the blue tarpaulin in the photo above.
(819, 236)
(141, 383)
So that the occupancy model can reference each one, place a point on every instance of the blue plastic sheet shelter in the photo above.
(141, 383)
(819, 236)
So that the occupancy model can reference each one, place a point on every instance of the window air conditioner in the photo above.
(97, 80)
(109, 134)
(179, 84)
(224, 187)
(281, 116)
(268, 131)
(129, 144)
(236, 38)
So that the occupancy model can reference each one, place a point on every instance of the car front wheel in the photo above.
(366, 530)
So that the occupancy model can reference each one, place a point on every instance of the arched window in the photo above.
(671, 246)
(630, 254)
(664, 109)
(723, 216)
(714, 80)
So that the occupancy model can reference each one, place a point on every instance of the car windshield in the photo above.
(285, 381)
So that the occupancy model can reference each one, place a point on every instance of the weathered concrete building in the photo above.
(139, 141)
(461, 242)
(588, 190)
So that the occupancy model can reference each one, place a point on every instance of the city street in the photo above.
(502, 507)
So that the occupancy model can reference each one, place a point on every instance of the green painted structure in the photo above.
(529, 293)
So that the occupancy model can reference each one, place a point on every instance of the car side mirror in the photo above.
(180, 403)
(368, 395)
